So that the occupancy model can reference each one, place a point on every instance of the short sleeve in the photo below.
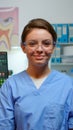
(70, 123)
(6, 108)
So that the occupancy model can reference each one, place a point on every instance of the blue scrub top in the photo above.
(24, 107)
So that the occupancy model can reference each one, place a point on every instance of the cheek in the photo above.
(50, 51)
(29, 53)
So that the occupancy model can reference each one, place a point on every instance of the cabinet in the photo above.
(62, 59)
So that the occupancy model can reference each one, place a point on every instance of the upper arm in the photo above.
(6, 108)
(70, 121)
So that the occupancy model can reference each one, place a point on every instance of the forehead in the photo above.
(39, 34)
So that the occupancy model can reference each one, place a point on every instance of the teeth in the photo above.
(5, 34)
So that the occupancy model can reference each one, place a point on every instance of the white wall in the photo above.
(55, 11)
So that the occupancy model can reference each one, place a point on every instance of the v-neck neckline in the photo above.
(48, 79)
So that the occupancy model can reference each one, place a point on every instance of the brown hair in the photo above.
(38, 23)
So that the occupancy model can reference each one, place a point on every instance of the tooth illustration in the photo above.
(6, 29)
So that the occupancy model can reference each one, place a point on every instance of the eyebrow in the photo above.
(41, 40)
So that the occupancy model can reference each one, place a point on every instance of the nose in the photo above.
(39, 47)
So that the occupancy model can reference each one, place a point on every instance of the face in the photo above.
(38, 47)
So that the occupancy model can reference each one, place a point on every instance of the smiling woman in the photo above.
(37, 98)
(38, 46)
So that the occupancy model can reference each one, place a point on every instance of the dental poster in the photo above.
(8, 28)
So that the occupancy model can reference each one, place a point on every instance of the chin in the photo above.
(40, 64)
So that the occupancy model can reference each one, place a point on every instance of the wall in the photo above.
(54, 11)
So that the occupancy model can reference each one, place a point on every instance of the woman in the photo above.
(37, 98)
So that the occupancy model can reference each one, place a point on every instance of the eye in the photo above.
(31, 43)
(47, 43)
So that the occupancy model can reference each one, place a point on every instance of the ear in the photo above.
(53, 49)
(23, 48)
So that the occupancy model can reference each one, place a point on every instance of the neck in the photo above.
(38, 72)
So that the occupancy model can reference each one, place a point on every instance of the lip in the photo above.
(38, 57)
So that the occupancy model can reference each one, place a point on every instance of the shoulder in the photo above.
(62, 75)
(14, 80)
(17, 76)
(62, 78)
